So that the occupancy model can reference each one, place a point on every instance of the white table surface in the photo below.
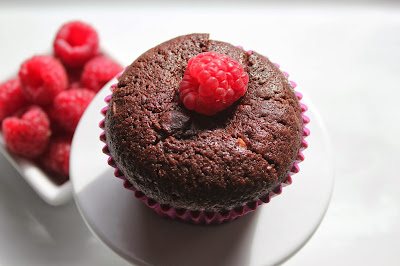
(347, 57)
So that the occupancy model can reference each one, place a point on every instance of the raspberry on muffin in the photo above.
(212, 82)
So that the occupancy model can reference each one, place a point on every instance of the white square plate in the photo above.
(40, 181)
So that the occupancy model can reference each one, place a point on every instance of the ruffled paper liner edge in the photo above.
(204, 217)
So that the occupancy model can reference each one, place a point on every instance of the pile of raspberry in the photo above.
(40, 109)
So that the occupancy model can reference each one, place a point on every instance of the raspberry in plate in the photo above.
(42, 78)
(76, 43)
(11, 98)
(98, 71)
(56, 157)
(29, 134)
(68, 107)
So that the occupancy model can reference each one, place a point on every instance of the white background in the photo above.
(347, 58)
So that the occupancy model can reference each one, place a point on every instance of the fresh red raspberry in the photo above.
(212, 82)
(76, 43)
(11, 98)
(98, 71)
(42, 78)
(56, 157)
(29, 134)
(68, 107)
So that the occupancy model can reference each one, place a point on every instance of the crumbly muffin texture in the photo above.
(205, 163)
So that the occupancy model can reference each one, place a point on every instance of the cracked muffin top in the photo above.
(192, 161)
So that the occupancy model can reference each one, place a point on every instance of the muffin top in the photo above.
(197, 162)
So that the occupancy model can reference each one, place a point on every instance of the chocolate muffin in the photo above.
(191, 161)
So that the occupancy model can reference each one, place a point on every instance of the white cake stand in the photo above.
(267, 236)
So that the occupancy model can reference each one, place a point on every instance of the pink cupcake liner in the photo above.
(203, 217)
